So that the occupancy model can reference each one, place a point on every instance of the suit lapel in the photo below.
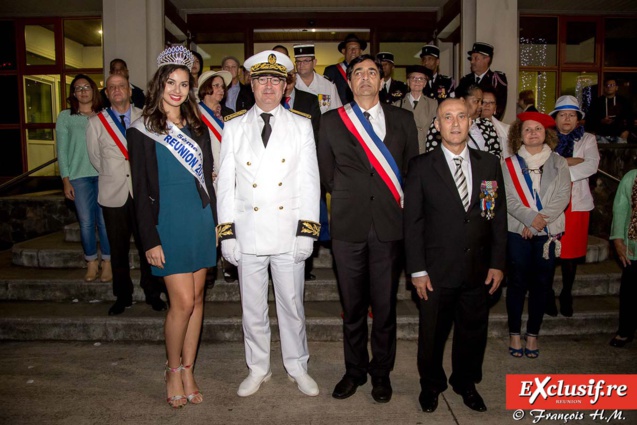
(442, 168)
(476, 176)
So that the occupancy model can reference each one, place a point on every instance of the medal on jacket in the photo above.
(488, 194)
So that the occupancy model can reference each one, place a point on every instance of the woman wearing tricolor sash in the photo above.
(171, 164)
(538, 189)
(212, 90)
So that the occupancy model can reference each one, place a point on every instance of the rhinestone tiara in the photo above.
(175, 55)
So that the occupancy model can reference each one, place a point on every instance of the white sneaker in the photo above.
(251, 384)
(306, 384)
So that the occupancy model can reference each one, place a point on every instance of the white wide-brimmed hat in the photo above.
(567, 103)
(227, 77)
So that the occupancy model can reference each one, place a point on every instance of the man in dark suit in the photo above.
(392, 90)
(364, 149)
(238, 96)
(308, 104)
(119, 67)
(350, 48)
(455, 241)
(439, 87)
(481, 56)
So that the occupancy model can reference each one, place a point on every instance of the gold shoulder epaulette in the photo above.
(303, 114)
(235, 115)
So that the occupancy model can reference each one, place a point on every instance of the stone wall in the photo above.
(25, 217)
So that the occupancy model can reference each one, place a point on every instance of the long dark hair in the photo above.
(200, 58)
(154, 114)
(96, 106)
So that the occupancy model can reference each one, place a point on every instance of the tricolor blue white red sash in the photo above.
(214, 124)
(529, 197)
(342, 68)
(376, 151)
(184, 149)
(115, 129)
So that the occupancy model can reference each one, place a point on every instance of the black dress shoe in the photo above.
(619, 343)
(347, 387)
(119, 306)
(381, 391)
(310, 276)
(566, 306)
(428, 400)
(157, 304)
(472, 399)
(551, 307)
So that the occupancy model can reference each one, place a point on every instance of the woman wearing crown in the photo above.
(171, 163)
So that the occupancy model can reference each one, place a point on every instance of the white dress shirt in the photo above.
(377, 120)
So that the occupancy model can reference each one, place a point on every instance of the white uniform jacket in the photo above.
(265, 192)
(114, 183)
(323, 88)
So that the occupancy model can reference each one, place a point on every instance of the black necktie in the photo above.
(367, 115)
(415, 104)
(121, 119)
(477, 80)
(267, 129)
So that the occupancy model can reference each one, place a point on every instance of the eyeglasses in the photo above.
(275, 81)
(219, 86)
(82, 88)
(304, 61)
(417, 79)
(532, 170)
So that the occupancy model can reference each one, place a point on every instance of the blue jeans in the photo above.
(528, 272)
(89, 214)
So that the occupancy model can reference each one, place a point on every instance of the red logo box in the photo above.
(571, 392)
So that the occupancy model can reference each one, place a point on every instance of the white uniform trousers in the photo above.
(289, 283)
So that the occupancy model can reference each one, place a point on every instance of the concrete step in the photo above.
(63, 250)
(30, 321)
(65, 284)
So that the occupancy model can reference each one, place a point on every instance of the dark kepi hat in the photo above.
(302, 50)
(482, 48)
(385, 56)
(352, 38)
(546, 120)
(420, 69)
(430, 50)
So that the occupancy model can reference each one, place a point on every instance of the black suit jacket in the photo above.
(359, 195)
(335, 76)
(451, 245)
(145, 175)
(307, 103)
(495, 80)
(397, 91)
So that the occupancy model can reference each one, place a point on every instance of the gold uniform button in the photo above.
(256, 208)
(254, 185)
(283, 160)
(248, 163)
(281, 207)
(280, 184)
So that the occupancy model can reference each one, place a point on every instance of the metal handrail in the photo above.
(610, 176)
(26, 174)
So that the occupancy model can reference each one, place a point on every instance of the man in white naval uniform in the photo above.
(268, 207)
(308, 80)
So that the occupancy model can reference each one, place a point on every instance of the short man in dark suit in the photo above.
(238, 96)
(364, 149)
(481, 56)
(439, 87)
(119, 67)
(350, 48)
(308, 104)
(392, 90)
(455, 241)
